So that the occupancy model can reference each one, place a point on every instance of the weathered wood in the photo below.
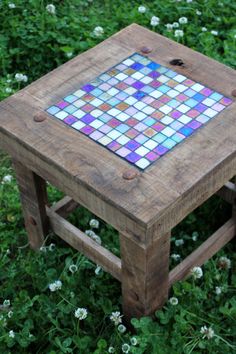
(175, 184)
(83, 243)
(228, 192)
(33, 199)
(143, 209)
(65, 206)
(144, 276)
(207, 249)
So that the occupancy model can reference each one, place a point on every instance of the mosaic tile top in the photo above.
(139, 109)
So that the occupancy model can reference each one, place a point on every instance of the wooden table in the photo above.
(143, 204)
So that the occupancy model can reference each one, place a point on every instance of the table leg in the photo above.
(33, 199)
(145, 274)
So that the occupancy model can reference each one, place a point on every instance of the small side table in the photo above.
(99, 128)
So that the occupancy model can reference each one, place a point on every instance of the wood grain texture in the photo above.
(64, 207)
(167, 191)
(83, 243)
(228, 192)
(204, 252)
(144, 276)
(33, 199)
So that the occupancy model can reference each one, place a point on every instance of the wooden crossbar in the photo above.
(65, 206)
(207, 249)
(228, 192)
(83, 243)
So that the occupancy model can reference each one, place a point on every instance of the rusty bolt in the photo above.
(233, 93)
(129, 174)
(145, 50)
(39, 117)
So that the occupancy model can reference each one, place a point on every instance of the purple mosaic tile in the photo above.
(139, 110)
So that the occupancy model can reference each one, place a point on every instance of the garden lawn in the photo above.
(56, 300)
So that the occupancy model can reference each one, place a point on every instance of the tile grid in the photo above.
(139, 109)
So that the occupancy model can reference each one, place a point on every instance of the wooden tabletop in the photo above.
(173, 185)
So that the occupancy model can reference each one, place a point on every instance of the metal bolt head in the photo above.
(129, 174)
(39, 117)
(233, 93)
(145, 50)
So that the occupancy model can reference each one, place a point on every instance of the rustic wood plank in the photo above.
(83, 243)
(144, 276)
(65, 206)
(228, 192)
(172, 187)
(204, 252)
(33, 199)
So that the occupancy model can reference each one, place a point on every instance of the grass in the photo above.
(37, 320)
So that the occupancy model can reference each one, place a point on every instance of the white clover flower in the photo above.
(134, 341)
(98, 270)
(25, 78)
(169, 26)
(98, 31)
(215, 33)
(207, 332)
(183, 20)
(11, 334)
(173, 301)
(43, 249)
(204, 29)
(198, 12)
(175, 257)
(94, 224)
(235, 36)
(21, 78)
(52, 247)
(125, 348)
(194, 236)
(6, 303)
(142, 9)
(73, 268)
(155, 21)
(175, 24)
(224, 263)
(189, 1)
(218, 290)
(196, 272)
(51, 9)
(121, 328)
(116, 317)
(8, 90)
(111, 350)
(90, 233)
(7, 179)
(179, 33)
(97, 239)
(81, 313)
(11, 5)
(10, 314)
(179, 242)
(69, 54)
(55, 286)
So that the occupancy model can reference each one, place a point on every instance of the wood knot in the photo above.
(129, 174)
(145, 50)
(32, 221)
(233, 93)
(40, 117)
(177, 62)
